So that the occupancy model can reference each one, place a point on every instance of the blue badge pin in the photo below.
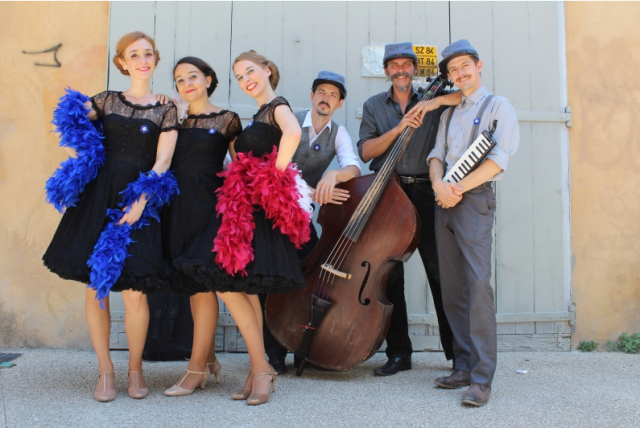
(316, 147)
(212, 131)
(144, 129)
(250, 123)
(476, 121)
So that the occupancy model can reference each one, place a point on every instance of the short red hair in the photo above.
(126, 41)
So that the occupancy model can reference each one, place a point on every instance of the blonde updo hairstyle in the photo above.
(126, 41)
(263, 62)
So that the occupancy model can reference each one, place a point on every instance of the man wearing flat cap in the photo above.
(322, 140)
(464, 220)
(384, 117)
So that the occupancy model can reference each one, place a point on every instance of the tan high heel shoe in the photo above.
(215, 369)
(106, 394)
(177, 390)
(135, 391)
(245, 391)
(257, 398)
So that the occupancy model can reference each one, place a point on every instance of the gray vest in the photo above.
(311, 162)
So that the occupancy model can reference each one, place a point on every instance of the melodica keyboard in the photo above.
(475, 154)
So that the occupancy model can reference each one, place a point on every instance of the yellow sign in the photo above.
(427, 60)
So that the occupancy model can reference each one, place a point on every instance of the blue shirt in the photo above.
(507, 134)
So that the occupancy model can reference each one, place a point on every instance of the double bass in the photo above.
(341, 317)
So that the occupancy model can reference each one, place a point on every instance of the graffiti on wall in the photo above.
(54, 50)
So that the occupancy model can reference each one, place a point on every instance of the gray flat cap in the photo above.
(398, 50)
(455, 49)
(331, 78)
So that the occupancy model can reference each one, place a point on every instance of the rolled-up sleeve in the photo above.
(438, 149)
(368, 128)
(507, 133)
(344, 149)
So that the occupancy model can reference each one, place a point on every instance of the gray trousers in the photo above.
(463, 236)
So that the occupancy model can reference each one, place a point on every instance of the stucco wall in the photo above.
(604, 90)
(36, 307)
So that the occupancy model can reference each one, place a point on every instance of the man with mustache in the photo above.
(384, 117)
(322, 140)
(464, 220)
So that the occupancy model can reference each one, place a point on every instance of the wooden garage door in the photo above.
(522, 47)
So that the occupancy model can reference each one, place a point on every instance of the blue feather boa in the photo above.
(110, 251)
(77, 132)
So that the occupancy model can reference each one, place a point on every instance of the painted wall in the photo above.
(603, 61)
(37, 309)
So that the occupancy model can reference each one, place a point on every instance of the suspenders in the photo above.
(476, 126)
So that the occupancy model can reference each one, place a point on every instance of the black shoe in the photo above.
(393, 366)
(278, 365)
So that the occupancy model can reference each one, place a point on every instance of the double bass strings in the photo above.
(325, 280)
(363, 211)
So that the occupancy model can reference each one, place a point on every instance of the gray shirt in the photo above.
(381, 113)
(507, 134)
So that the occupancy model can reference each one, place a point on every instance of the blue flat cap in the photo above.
(331, 78)
(398, 50)
(455, 49)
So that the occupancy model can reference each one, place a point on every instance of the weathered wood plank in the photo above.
(165, 37)
(474, 21)
(358, 87)
(329, 47)
(249, 31)
(210, 39)
(514, 217)
(125, 18)
(547, 185)
(296, 68)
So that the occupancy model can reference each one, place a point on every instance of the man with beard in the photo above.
(384, 117)
(322, 139)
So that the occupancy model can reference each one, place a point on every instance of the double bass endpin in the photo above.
(335, 272)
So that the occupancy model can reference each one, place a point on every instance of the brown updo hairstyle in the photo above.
(203, 67)
(126, 41)
(263, 62)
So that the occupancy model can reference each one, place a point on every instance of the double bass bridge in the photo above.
(335, 271)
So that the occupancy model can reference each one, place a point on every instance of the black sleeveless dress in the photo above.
(275, 268)
(131, 139)
(189, 223)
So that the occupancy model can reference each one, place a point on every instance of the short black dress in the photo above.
(189, 223)
(275, 268)
(131, 139)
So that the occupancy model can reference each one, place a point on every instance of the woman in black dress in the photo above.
(273, 265)
(140, 135)
(189, 223)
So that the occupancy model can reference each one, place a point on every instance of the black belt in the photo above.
(411, 179)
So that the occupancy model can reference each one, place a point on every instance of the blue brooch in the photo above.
(316, 147)
(144, 129)
(476, 121)
(212, 131)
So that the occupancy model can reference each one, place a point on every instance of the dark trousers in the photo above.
(464, 235)
(398, 341)
(271, 345)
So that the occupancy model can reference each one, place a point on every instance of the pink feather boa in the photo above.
(253, 181)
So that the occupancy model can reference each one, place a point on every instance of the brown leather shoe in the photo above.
(457, 379)
(477, 395)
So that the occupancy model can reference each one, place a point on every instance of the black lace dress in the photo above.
(275, 268)
(189, 223)
(131, 138)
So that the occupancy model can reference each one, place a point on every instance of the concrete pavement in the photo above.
(54, 388)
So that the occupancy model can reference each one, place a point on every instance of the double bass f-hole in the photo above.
(364, 283)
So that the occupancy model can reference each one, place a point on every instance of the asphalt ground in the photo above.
(54, 388)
